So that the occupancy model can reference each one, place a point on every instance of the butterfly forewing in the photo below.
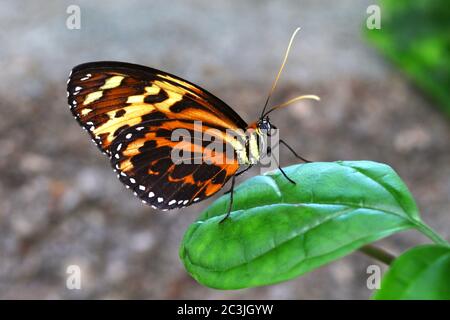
(131, 111)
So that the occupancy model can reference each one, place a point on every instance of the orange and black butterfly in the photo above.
(131, 113)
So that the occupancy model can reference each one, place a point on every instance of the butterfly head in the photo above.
(264, 125)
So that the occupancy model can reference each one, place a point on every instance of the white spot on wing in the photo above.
(86, 77)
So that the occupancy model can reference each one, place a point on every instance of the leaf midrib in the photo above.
(347, 210)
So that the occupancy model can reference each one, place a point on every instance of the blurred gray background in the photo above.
(60, 204)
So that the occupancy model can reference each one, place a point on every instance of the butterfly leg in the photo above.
(292, 150)
(231, 199)
(286, 176)
(284, 173)
(238, 174)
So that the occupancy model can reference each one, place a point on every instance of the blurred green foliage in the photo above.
(415, 35)
(420, 273)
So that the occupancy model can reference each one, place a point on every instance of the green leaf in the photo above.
(420, 273)
(278, 231)
(414, 36)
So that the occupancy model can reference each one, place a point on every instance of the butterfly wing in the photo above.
(144, 159)
(131, 112)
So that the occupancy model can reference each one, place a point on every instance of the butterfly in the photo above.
(131, 113)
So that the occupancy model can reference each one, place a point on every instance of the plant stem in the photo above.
(431, 234)
(385, 257)
(377, 253)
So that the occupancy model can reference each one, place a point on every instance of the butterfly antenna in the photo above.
(279, 72)
(303, 97)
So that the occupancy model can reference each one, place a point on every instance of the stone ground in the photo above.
(60, 203)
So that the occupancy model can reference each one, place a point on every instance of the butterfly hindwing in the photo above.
(143, 157)
(131, 111)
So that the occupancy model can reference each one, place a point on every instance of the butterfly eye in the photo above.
(264, 124)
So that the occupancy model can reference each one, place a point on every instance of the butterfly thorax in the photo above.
(256, 134)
